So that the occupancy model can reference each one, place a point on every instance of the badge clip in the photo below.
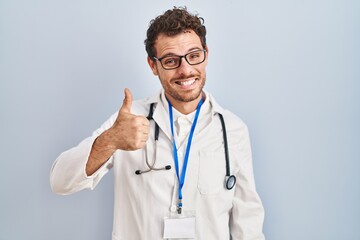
(179, 207)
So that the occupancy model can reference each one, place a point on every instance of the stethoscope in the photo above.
(230, 180)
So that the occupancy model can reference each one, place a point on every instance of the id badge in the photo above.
(180, 226)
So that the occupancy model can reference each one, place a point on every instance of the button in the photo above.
(173, 208)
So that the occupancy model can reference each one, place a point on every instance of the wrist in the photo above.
(105, 142)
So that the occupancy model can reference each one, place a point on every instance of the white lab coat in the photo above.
(142, 201)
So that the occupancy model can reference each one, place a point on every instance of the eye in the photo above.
(194, 55)
(170, 61)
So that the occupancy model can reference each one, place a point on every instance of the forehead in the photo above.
(178, 44)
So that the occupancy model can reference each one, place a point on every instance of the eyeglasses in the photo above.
(174, 61)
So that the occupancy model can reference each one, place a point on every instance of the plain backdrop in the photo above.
(290, 69)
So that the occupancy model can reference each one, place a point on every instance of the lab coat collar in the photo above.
(161, 116)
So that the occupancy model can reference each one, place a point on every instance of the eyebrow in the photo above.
(173, 54)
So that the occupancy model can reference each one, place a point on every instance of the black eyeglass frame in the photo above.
(180, 59)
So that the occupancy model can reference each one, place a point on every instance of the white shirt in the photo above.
(142, 201)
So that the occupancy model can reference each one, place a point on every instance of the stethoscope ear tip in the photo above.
(167, 167)
(137, 172)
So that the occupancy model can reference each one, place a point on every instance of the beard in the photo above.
(185, 95)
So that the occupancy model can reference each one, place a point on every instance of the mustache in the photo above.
(183, 77)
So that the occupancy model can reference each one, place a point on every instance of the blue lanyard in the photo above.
(181, 178)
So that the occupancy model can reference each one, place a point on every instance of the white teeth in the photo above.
(187, 83)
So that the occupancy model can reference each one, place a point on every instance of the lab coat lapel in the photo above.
(160, 115)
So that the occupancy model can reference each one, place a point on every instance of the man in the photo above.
(173, 187)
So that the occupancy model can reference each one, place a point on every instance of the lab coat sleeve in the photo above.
(68, 173)
(246, 221)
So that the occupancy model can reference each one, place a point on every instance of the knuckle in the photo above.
(137, 120)
(146, 121)
(141, 120)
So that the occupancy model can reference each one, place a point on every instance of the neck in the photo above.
(185, 107)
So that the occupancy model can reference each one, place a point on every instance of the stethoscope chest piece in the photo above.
(230, 182)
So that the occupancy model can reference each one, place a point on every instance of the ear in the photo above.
(153, 66)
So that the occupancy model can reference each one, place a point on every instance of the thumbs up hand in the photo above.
(129, 132)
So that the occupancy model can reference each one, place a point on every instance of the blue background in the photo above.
(290, 69)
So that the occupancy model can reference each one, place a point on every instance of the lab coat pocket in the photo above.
(211, 172)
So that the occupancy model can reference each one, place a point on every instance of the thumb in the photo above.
(126, 106)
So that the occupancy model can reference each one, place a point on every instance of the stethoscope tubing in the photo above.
(230, 180)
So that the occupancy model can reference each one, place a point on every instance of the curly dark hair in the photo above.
(172, 22)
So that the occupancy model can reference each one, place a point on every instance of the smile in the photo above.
(185, 83)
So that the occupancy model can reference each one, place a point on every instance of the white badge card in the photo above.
(179, 226)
